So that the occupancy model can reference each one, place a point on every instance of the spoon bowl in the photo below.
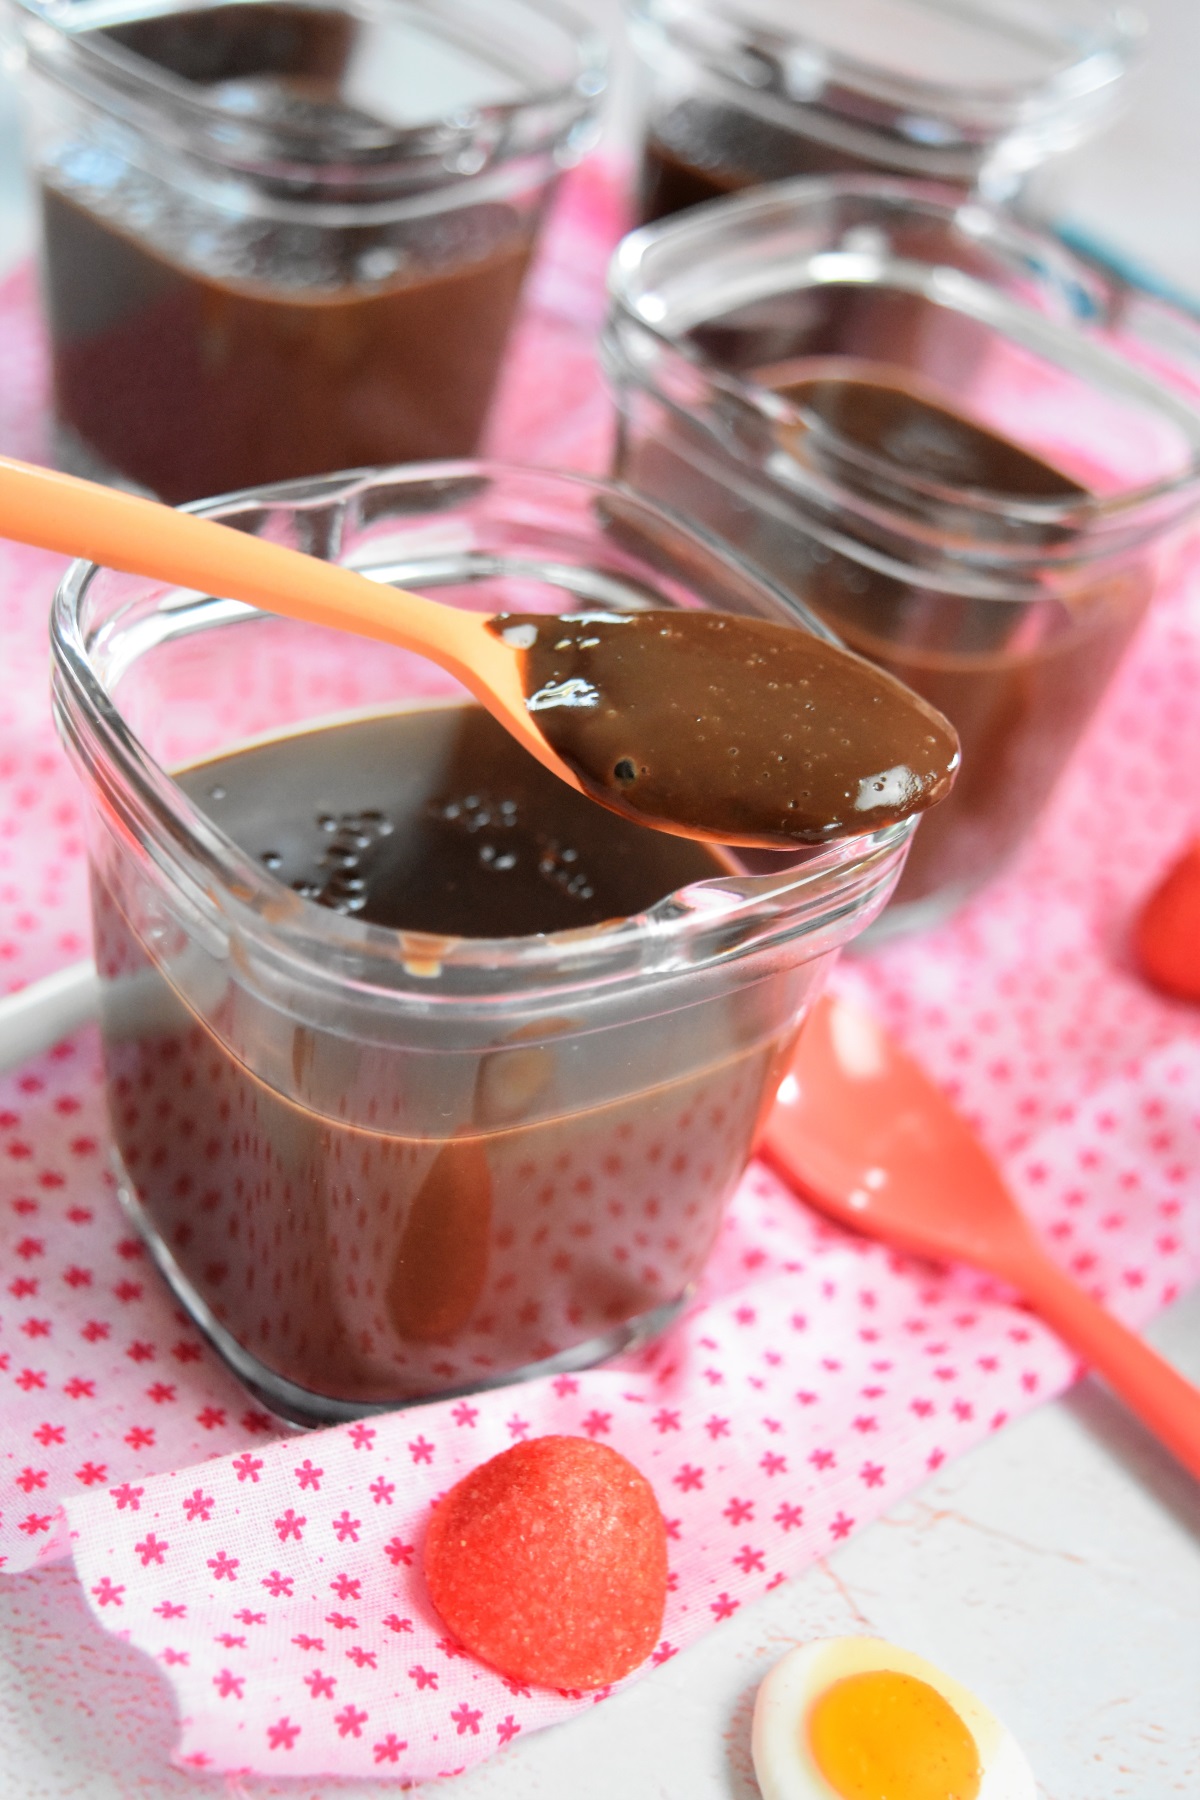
(861, 1131)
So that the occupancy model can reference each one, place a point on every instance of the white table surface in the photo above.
(1055, 1569)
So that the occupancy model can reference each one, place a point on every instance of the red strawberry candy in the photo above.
(550, 1563)
(1167, 939)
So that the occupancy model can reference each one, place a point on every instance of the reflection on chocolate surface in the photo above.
(701, 151)
(879, 411)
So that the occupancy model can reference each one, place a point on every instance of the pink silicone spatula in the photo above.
(863, 1132)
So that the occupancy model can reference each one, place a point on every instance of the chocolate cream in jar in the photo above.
(738, 93)
(282, 239)
(425, 1072)
(898, 407)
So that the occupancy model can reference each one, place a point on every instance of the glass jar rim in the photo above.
(638, 294)
(65, 41)
(812, 64)
(706, 923)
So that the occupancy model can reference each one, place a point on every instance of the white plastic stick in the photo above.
(42, 1014)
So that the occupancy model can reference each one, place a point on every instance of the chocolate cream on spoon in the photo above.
(729, 727)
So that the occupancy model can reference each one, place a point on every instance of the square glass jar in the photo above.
(279, 239)
(992, 535)
(376, 1165)
(742, 92)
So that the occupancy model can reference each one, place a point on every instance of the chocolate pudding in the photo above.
(701, 151)
(740, 728)
(201, 347)
(742, 92)
(882, 413)
(436, 820)
(1018, 679)
(495, 1209)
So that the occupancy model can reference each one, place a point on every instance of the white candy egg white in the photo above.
(782, 1759)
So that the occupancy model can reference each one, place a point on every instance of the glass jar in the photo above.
(900, 406)
(279, 239)
(739, 92)
(381, 1165)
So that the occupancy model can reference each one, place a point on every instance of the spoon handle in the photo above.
(1164, 1400)
(143, 537)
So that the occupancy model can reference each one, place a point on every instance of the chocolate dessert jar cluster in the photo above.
(281, 239)
(905, 409)
(741, 92)
(425, 1072)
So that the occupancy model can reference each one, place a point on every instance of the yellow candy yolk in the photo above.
(885, 1736)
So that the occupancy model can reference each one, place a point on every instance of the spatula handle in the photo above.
(1164, 1400)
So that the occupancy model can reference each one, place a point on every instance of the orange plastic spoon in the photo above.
(865, 1134)
(896, 756)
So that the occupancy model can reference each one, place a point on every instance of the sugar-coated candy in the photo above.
(1167, 938)
(550, 1562)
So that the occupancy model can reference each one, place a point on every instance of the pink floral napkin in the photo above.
(275, 1578)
